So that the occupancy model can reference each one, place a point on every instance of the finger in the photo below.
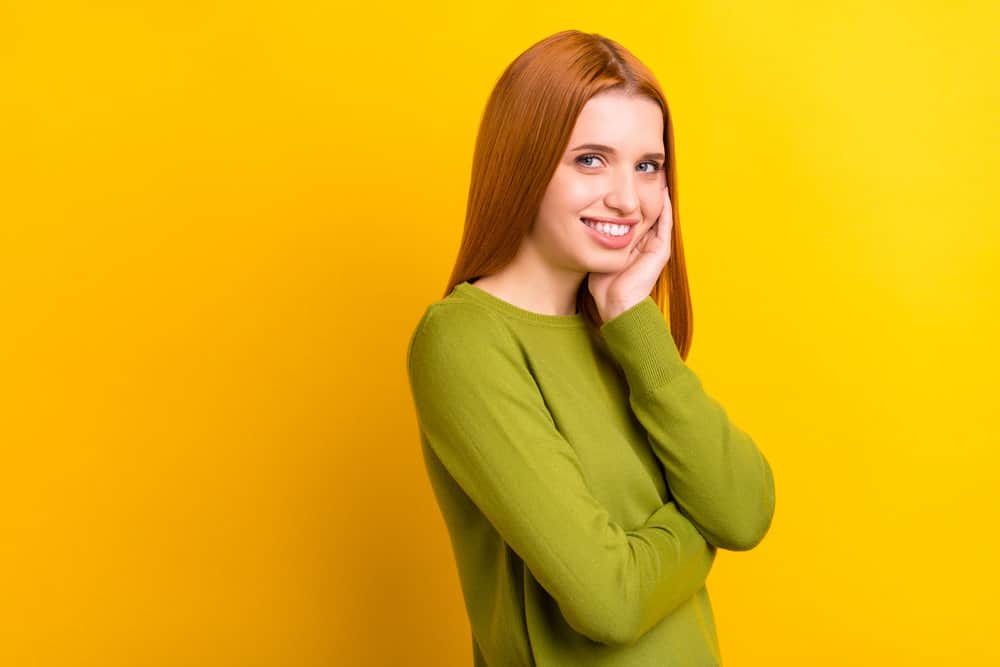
(667, 220)
(641, 244)
(639, 241)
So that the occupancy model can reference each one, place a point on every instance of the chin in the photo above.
(606, 265)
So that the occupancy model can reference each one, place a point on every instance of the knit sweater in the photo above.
(586, 480)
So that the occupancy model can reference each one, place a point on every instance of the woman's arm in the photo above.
(718, 476)
(482, 414)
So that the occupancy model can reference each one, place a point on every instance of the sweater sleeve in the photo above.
(717, 475)
(484, 417)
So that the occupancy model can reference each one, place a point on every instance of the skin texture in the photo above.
(559, 251)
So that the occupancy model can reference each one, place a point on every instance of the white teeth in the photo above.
(606, 228)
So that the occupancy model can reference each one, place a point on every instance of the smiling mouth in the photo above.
(611, 230)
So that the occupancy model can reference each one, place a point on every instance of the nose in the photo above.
(622, 195)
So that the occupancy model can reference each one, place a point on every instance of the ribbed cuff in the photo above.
(639, 339)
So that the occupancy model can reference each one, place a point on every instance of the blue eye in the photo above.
(656, 165)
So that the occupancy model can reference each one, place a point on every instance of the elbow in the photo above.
(744, 541)
(751, 532)
(756, 526)
(603, 623)
(628, 630)
(616, 632)
(613, 619)
(603, 618)
(625, 628)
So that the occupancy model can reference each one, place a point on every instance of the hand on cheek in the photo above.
(618, 291)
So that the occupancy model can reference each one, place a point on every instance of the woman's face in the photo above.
(613, 168)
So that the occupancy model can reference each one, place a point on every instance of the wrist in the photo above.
(615, 307)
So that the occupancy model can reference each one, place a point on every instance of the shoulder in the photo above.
(459, 330)
(456, 318)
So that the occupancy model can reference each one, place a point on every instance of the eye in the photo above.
(656, 166)
(595, 156)
(587, 156)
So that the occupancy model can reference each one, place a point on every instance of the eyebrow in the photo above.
(609, 149)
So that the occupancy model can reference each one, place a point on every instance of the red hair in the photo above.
(523, 134)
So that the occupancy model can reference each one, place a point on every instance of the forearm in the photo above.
(716, 473)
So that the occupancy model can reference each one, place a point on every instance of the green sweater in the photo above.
(586, 480)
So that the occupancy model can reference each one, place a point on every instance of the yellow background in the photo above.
(221, 221)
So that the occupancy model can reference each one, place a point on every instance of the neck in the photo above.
(540, 291)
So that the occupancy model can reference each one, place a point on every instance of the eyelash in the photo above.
(655, 164)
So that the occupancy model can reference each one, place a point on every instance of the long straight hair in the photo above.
(523, 134)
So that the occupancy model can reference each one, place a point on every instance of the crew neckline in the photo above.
(495, 303)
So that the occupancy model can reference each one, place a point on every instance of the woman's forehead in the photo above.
(626, 123)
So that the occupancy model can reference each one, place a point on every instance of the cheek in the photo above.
(574, 194)
(651, 204)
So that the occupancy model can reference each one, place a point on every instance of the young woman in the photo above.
(585, 477)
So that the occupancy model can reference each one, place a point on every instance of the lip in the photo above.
(613, 242)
